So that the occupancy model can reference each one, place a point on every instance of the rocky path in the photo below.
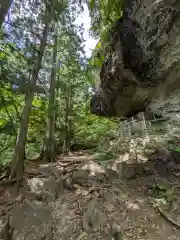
(77, 198)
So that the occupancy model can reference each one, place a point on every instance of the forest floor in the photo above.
(79, 198)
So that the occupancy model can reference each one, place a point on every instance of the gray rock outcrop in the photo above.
(141, 69)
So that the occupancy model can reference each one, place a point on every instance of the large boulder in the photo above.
(31, 221)
(141, 69)
(45, 188)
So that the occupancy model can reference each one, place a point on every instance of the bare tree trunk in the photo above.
(121, 131)
(49, 151)
(70, 115)
(4, 7)
(144, 129)
(57, 98)
(68, 121)
(66, 137)
(127, 129)
(17, 167)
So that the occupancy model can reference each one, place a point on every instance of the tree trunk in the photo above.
(66, 137)
(70, 134)
(49, 150)
(4, 7)
(144, 130)
(121, 131)
(57, 100)
(68, 121)
(17, 167)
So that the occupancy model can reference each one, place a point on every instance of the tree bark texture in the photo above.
(49, 151)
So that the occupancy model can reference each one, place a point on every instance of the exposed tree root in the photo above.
(8, 182)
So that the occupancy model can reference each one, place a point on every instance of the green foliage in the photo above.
(173, 144)
(160, 191)
(18, 51)
(103, 14)
(101, 156)
(7, 147)
(92, 128)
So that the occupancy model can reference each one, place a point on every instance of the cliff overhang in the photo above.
(141, 68)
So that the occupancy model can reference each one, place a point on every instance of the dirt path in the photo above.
(77, 199)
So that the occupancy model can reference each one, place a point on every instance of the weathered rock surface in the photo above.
(47, 189)
(31, 221)
(141, 70)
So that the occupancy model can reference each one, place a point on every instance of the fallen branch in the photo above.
(69, 163)
(167, 218)
(32, 173)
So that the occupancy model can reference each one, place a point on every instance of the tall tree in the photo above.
(21, 49)
(18, 158)
(68, 117)
(50, 138)
(52, 15)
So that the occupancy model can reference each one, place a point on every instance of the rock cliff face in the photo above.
(141, 70)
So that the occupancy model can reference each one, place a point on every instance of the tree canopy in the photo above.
(103, 14)
(45, 83)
